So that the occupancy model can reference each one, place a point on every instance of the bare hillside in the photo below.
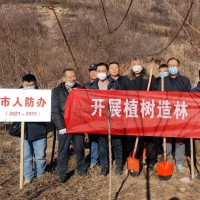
(31, 40)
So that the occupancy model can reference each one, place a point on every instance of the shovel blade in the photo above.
(133, 166)
(165, 170)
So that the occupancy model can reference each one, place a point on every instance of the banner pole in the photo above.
(21, 156)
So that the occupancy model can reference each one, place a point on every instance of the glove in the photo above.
(62, 131)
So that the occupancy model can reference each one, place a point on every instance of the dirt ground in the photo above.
(92, 188)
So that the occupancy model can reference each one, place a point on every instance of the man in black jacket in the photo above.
(176, 82)
(137, 79)
(104, 82)
(114, 71)
(59, 96)
(35, 141)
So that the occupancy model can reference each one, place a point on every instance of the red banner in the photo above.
(152, 113)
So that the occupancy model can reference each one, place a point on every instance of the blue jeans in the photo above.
(36, 149)
(103, 150)
(94, 149)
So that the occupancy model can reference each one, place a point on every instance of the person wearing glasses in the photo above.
(176, 82)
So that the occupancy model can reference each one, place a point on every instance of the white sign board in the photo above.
(17, 105)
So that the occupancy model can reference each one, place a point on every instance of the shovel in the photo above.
(133, 164)
(164, 169)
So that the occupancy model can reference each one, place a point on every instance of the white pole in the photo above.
(21, 156)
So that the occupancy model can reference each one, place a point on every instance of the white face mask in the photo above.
(137, 68)
(102, 76)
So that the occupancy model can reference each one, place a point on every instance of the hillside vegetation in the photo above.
(31, 40)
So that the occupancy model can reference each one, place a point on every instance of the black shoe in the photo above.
(62, 179)
(150, 167)
(83, 174)
(118, 170)
(104, 171)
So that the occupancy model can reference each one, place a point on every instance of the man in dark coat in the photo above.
(104, 82)
(35, 141)
(137, 79)
(114, 72)
(176, 82)
(93, 138)
(59, 96)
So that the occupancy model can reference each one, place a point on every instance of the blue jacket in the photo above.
(112, 84)
(197, 88)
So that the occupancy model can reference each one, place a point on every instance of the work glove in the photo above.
(62, 131)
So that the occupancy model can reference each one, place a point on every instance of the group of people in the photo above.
(104, 77)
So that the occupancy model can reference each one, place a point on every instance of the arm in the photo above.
(56, 112)
(188, 85)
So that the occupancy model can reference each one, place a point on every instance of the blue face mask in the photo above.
(70, 84)
(30, 87)
(173, 70)
(164, 74)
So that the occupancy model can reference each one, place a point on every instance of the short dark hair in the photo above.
(103, 64)
(114, 63)
(67, 70)
(199, 72)
(162, 66)
(137, 58)
(29, 78)
(178, 61)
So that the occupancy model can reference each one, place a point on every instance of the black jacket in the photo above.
(112, 84)
(180, 83)
(58, 98)
(131, 82)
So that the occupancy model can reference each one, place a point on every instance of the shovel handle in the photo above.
(135, 147)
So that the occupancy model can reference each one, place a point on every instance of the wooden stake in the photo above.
(192, 158)
(21, 156)
(110, 155)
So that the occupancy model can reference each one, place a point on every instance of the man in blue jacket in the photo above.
(35, 142)
(104, 82)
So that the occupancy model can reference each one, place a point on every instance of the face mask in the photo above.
(164, 74)
(102, 76)
(137, 68)
(173, 70)
(30, 87)
(70, 84)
